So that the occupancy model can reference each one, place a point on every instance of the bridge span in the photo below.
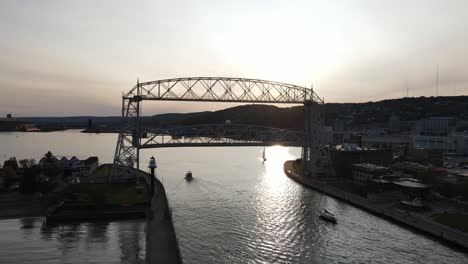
(132, 137)
(221, 135)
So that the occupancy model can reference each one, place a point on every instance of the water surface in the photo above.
(236, 210)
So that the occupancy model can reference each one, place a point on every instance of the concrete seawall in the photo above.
(412, 220)
(161, 240)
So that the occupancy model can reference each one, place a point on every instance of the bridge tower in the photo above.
(127, 151)
(316, 160)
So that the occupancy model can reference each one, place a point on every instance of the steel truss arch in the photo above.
(223, 89)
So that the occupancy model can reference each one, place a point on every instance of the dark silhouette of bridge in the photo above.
(132, 138)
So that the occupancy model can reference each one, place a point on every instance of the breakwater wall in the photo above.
(161, 239)
(412, 220)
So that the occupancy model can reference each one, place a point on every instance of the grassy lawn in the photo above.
(103, 170)
(110, 194)
(457, 221)
(297, 167)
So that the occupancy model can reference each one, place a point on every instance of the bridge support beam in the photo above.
(128, 142)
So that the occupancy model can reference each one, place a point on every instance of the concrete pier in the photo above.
(161, 239)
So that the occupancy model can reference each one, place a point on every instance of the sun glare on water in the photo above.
(275, 158)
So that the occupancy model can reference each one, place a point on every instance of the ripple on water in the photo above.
(236, 210)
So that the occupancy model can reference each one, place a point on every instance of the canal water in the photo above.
(238, 209)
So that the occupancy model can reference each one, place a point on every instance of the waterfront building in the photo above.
(411, 168)
(74, 166)
(413, 189)
(458, 176)
(456, 143)
(343, 158)
(346, 137)
(65, 163)
(363, 172)
(84, 168)
(435, 126)
(394, 124)
(426, 156)
(398, 144)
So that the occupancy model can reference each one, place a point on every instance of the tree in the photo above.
(9, 176)
(50, 170)
(29, 181)
(12, 163)
(27, 163)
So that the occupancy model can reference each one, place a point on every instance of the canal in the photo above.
(237, 209)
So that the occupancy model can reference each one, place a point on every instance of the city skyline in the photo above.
(64, 59)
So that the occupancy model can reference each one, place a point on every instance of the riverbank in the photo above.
(405, 218)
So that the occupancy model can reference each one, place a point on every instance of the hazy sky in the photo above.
(76, 57)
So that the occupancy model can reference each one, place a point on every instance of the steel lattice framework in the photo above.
(217, 89)
(223, 89)
(222, 135)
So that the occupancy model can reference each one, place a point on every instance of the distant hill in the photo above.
(262, 115)
(73, 120)
(405, 108)
(353, 114)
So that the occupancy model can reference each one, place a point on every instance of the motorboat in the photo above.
(327, 216)
(188, 176)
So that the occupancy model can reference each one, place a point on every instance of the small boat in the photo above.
(264, 156)
(327, 216)
(188, 176)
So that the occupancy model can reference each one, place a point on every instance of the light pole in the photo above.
(152, 166)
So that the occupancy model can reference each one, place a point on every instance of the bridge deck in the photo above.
(240, 144)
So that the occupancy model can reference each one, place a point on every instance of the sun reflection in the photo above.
(273, 181)
(275, 158)
(273, 197)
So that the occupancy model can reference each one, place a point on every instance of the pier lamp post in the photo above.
(152, 166)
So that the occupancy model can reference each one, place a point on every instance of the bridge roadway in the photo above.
(221, 136)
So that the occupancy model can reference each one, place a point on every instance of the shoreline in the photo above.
(17, 205)
(409, 220)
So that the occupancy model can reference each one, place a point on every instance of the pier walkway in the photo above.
(161, 240)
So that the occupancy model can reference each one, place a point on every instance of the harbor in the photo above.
(405, 218)
(232, 211)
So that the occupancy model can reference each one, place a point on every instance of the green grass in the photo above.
(110, 194)
(103, 170)
(297, 167)
(457, 221)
